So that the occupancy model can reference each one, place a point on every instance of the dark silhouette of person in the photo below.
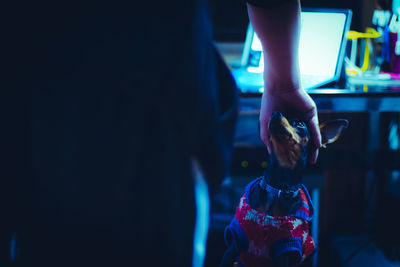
(105, 107)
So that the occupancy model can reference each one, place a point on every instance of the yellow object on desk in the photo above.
(369, 33)
(354, 36)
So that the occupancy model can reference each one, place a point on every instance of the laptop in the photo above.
(321, 51)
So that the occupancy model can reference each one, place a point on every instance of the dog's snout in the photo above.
(275, 120)
(276, 116)
(278, 125)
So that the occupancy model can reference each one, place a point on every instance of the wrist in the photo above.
(280, 80)
(281, 85)
(282, 90)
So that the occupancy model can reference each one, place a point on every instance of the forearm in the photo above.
(278, 30)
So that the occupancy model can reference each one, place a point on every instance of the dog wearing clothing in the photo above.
(270, 227)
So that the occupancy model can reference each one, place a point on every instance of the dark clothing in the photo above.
(267, 3)
(104, 107)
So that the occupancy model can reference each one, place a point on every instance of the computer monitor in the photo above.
(321, 50)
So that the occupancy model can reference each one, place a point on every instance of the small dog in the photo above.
(271, 222)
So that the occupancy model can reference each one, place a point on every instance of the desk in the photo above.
(342, 100)
(352, 98)
(373, 101)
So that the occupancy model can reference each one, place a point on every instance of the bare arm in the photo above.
(278, 29)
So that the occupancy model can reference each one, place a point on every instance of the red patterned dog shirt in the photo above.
(260, 239)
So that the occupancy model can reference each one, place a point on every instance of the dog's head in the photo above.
(290, 139)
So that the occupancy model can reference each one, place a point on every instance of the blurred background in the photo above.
(355, 186)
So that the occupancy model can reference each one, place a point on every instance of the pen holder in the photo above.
(366, 51)
(394, 58)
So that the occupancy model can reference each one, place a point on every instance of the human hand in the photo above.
(291, 102)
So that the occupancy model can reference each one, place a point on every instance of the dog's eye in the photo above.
(298, 123)
(300, 127)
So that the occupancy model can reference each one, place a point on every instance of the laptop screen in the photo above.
(321, 49)
(320, 41)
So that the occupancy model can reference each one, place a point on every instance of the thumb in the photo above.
(315, 134)
(264, 135)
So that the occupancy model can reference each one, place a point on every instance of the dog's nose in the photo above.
(275, 120)
(276, 115)
(275, 124)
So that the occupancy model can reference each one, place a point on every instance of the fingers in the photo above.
(315, 134)
(264, 118)
(264, 134)
(313, 156)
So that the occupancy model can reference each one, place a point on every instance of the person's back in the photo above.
(105, 106)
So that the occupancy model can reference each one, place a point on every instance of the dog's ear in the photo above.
(332, 130)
